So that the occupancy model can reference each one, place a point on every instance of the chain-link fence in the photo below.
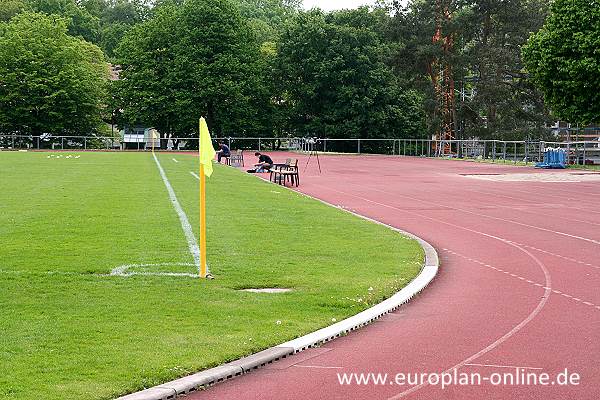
(579, 152)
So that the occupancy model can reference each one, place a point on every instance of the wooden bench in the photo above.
(281, 173)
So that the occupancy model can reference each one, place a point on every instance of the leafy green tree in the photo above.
(10, 8)
(563, 59)
(50, 82)
(116, 19)
(493, 97)
(80, 21)
(267, 17)
(335, 81)
(197, 58)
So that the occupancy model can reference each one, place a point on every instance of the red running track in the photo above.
(518, 285)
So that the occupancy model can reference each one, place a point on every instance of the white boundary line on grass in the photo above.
(183, 386)
(185, 223)
(124, 270)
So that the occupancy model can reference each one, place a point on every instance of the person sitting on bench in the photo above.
(223, 151)
(264, 163)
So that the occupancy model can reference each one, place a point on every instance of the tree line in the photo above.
(482, 68)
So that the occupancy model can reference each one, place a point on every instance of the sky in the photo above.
(329, 5)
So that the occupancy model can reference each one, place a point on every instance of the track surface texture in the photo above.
(518, 284)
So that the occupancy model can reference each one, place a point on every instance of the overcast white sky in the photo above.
(329, 5)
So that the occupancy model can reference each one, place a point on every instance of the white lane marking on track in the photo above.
(502, 366)
(500, 340)
(185, 223)
(506, 336)
(520, 199)
(558, 196)
(523, 279)
(316, 366)
(544, 251)
(489, 216)
(174, 160)
(557, 255)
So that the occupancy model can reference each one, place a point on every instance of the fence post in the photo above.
(584, 154)
(541, 144)
(258, 144)
(515, 154)
(324, 145)
(428, 147)
(229, 142)
(526, 152)
(504, 151)
(568, 152)
(358, 146)
(13, 142)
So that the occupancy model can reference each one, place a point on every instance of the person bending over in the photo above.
(264, 163)
(223, 151)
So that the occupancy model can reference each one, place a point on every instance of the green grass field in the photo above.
(71, 331)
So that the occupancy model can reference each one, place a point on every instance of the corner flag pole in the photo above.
(206, 155)
(202, 222)
(202, 210)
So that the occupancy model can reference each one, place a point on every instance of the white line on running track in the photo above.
(185, 223)
(557, 255)
(526, 200)
(316, 366)
(489, 216)
(507, 335)
(502, 366)
(519, 277)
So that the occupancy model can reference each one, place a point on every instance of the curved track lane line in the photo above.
(506, 336)
(492, 217)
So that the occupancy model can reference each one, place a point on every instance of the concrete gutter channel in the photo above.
(201, 380)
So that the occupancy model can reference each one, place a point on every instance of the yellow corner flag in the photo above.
(207, 154)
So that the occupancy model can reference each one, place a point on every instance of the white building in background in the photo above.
(139, 138)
